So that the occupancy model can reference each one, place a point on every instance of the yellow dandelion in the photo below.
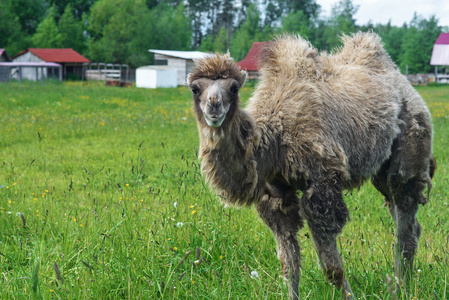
(193, 281)
(51, 291)
(46, 191)
(191, 206)
(221, 256)
(176, 248)
(193, 211)
(141, 200)
(81, 225)
(127, 185)
(169, 239)
(9, 201)
(15, 183)
(74, 219)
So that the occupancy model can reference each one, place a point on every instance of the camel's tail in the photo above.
(365, 49)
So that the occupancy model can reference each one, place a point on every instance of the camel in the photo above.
(317, 124)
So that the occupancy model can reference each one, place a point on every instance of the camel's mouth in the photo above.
(214, 121)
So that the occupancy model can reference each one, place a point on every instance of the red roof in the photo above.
(66, 55)
(443, 39)
(249, 63)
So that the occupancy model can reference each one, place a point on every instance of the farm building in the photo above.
(71, 61)
(182, 61)
(249, 63)
(440, 57)
(4, 72)
(4, 56)
(156, 76)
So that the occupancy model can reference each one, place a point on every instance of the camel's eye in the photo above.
(234, 89)
(195, 90)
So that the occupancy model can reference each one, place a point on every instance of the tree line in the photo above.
(122, 31)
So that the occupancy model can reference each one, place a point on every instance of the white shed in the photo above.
(156, 76)
(182, 61)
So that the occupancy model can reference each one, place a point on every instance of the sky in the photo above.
(398, 11)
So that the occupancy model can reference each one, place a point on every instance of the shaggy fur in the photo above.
(317, 123)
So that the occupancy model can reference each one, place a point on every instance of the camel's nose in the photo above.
(214, 95)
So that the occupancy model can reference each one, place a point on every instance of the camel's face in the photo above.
(214, 98)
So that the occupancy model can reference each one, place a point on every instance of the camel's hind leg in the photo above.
(281, 214)
(403, 198)
(326, 214)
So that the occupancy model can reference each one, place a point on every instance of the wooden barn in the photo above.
(71, 61)
(182, 61)
(440, 57)
(249, 63)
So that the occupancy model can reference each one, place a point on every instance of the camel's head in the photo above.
(215, 85)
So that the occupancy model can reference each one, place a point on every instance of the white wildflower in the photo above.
(175, 204)
(179, 224)
(254, 274)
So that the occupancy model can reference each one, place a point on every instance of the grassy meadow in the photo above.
(101, 197)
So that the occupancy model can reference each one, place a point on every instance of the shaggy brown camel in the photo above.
(317, 123)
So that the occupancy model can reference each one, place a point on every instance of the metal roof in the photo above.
(249, 63)
(181, 54)
(30, 64)
(443, 39)
(440, 52)
(64, 55)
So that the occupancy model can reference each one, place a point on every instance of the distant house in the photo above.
(182, 61)
(249, 63)
(4, 56)
(71, 61)
(4, 72)
(440, 57)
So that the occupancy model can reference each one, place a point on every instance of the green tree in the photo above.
(29, 13)
(12, 36)
(250, 31)
(47, 31)
(114, 27)
(342, 21)
(70, 31)
(79, 7)
(416, 48)
(296, 22)
(172, 28)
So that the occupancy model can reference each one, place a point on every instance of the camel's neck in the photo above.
(231, 159)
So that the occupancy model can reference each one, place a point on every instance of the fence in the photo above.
(111, 74)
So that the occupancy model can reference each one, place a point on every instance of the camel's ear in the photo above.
(189, 79)
(244, 76)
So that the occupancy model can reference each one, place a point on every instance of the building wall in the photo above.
(156, 76)
(180, 64)
(31, 73)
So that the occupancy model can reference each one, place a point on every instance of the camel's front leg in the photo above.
(282, 216)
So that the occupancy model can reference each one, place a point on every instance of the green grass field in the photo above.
(101, 198)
